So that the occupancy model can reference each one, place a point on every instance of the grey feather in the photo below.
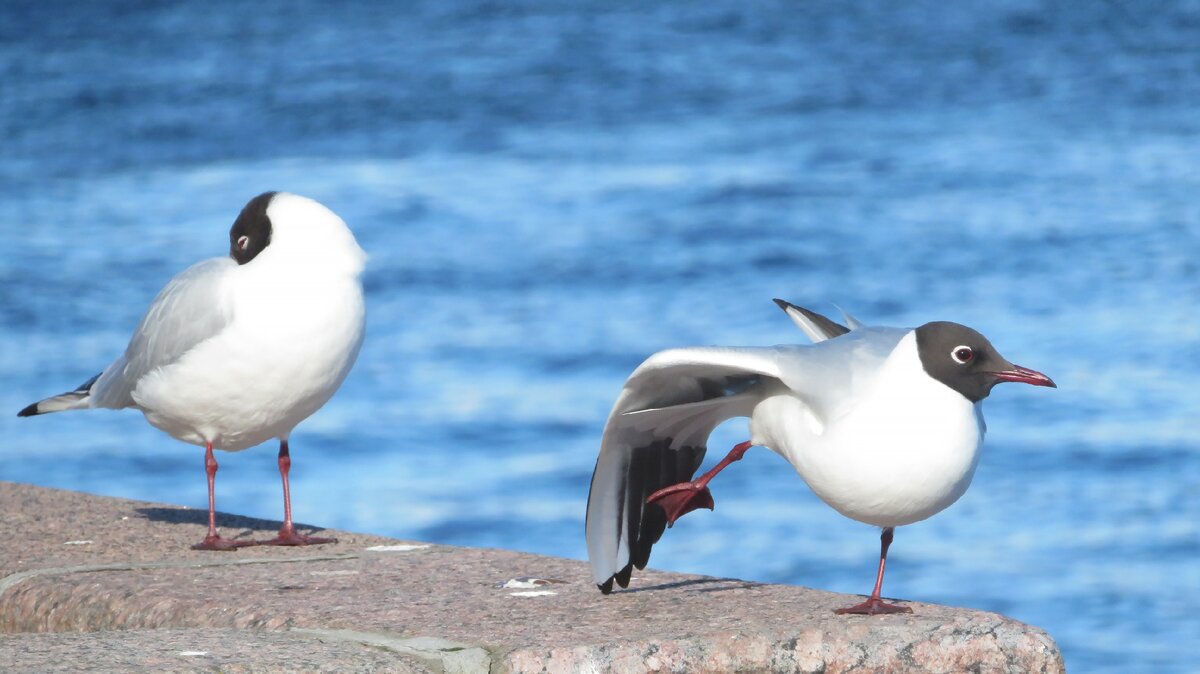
(188, 311)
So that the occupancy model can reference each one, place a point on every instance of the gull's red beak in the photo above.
(1025, 376)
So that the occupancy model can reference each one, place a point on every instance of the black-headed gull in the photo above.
(884, 424)
(237, 350)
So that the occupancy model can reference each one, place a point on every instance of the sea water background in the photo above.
(550, 192)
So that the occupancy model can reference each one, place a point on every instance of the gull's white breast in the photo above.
(903, 450)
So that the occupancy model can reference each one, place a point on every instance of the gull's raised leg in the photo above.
(874, 605)
(287, 533)
(212, 541)
(680, 499)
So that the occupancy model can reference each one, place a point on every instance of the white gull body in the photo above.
(235, 355)
(238, 350)
(884, 424)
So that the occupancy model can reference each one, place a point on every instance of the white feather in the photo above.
(851, 322)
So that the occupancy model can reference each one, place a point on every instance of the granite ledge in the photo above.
(106, 584)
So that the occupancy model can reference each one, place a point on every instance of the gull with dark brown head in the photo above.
(884, 424)
(235, 351)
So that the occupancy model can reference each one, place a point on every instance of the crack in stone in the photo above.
(11, 580)
(441, 655)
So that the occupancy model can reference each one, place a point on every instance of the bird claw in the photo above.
(680, 499)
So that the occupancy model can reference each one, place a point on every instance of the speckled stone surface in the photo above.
(441, 607)
(196, 650)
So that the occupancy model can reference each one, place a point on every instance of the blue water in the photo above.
(551, 191)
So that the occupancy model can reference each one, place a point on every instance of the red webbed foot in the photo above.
(873, 606)
(680, 499)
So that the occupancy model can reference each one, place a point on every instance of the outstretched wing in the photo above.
(655, 437)
(191, 308)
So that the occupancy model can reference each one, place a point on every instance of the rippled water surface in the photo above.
(550, 192)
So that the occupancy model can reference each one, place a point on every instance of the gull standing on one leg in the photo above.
(884, 424)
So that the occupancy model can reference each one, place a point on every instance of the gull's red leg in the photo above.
(874, 605)
(212, 541)
(287, 533)
(680, 499)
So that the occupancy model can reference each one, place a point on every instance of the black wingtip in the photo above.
(620, 578)
(30, 411)
(783, 304)
(624, 574)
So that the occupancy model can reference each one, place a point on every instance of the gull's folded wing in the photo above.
(190, 309)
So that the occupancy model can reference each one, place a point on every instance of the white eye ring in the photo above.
(242, 242)
(962, 354)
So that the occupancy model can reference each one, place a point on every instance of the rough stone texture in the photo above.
(436, 606)
(197, 650)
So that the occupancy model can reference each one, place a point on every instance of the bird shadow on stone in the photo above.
(736, 585)
(733, 585)
(224, 520)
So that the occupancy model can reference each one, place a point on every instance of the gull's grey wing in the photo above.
(655, 437)
(192, 308)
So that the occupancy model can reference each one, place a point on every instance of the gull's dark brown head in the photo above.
(966, 361)
(251, 232)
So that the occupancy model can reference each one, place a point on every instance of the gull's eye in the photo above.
(962, 354)
(242, 242)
